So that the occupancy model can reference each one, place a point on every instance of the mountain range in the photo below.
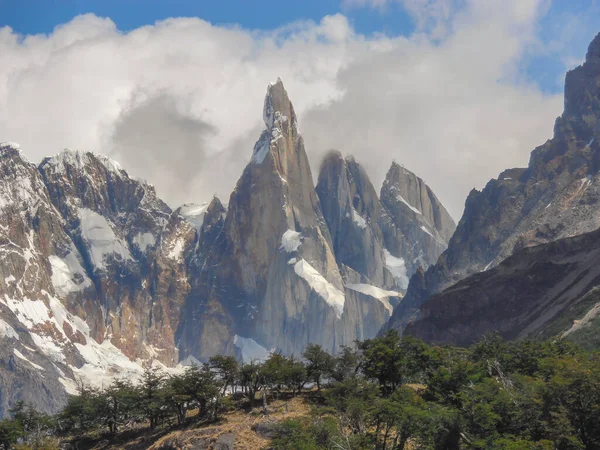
(99, 277)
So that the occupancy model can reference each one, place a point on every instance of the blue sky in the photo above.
(40, 16)
(545, 69)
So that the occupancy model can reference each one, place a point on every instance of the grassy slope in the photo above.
(236, 427)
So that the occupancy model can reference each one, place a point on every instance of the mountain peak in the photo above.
(593, 53)
(10, 148)
(79, 160)
(331, 158)
(280, 121)
(277, 107)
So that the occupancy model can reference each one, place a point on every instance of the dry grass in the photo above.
(240, 423)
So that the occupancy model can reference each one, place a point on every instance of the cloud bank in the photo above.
(179, 103)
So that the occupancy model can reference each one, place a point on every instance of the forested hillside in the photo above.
(384, 393)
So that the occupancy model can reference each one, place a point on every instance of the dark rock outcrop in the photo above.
(538, 292)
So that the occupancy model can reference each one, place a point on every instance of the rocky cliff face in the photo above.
(94, 275)
(33, 243)
(386, 240)
(540, 292)
(273, 281)
(133, 249)
(415, 224)
(555, 197)
(352, 211)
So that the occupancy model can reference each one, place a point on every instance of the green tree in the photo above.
(346, 364)
(353, 400)
(82, 411)
(398, 418)
(10, 433)
(33, 425)
(319, 363)
(274, 371)
(314, 433)
(227, 368)
(392, 360)
(252, 379)
(573, 398)
(295, 375)
(200, 384)
(178, 395)
(151, 398)
(118, 403)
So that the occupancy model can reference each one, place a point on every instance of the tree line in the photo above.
(386, 393)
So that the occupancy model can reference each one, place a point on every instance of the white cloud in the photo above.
(179, 103)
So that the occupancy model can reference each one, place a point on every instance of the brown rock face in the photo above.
(555, 197)
(275, 194)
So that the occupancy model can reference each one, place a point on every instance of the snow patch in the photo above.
(101, 239)
(69, 385)
(28, 312)
(80, 160)
(358, 219)
(23, 190)
(61, 315)
(291, 241)
(375, 292)
(328, 292)
(177, 249)
(251, 350)
(194, 214)
(415, 210)
(19, 355)
(397, 268)
(12, 145)
(144, 240)
(6, 331)
(48, 347)
(261, 148)
(64, 272)
(103, 362)
(424, 228)
(190, 361)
